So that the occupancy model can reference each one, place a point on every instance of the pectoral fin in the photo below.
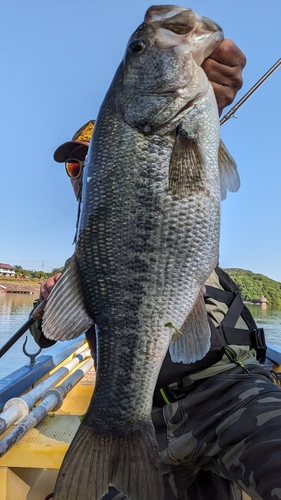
(65, 316)
(229, 176)
(192, 340)
(187, 162)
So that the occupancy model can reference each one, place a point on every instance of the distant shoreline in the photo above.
(20, 286)
(255, 302)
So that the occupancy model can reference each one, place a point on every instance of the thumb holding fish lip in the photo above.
(47, 286)
(224, 71)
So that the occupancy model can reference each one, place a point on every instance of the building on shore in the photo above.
(262, 300)
(7, 270)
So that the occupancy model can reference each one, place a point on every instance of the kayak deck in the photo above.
(28, 470)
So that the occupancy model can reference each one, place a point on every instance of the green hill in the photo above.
(252, 286)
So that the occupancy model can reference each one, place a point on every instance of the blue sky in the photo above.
(57, 60)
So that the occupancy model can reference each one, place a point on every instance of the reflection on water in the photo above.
(14, 312)
(15, 309)
(269, 318)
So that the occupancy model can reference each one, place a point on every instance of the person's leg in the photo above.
(249, 445)
(231, 425)
(210, 486)
(188, 483)
(205, 486)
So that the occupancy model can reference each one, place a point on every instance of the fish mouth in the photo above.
(209, 24)
(180, 20)
(178, 25)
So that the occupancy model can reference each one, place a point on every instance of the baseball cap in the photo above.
(79, 142)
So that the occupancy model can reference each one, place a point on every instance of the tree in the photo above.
(252, 286)
(56, 270)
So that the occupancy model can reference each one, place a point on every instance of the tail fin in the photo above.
(96, 461)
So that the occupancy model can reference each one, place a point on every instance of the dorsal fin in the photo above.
(229, 176)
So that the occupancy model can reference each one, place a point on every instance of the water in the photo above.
(269, 318)
(15, 309)
(14, 312)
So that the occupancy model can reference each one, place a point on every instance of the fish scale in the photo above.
(151, 215)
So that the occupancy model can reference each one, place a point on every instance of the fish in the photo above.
(147, 240)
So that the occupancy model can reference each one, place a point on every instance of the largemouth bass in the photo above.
(148, 239)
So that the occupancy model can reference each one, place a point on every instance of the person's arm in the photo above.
(224, 71)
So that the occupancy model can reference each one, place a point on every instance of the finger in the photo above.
(56, 277)
(224, 70)
(224, 95)
(228, 54)
(43, 293)
(224, 79)
(47, 286)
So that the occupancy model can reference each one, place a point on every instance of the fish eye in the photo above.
(137, 45)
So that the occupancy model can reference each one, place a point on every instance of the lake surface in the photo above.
(269, 318)
(15, 309)
(14, 312)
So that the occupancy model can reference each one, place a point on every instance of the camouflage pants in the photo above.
(228, 425)
(223, 435)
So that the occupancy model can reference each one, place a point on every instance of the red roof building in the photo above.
(7, 270)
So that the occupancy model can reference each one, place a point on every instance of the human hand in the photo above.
(224, 71)
(47, 286)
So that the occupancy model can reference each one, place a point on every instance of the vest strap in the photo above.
(234, 311)
(221, 295)
(252, 338)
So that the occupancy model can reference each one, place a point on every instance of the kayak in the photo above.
(41, 407)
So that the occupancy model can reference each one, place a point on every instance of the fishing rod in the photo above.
(35, 315)
(250, 92)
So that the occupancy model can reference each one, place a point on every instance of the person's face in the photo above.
(75, 168)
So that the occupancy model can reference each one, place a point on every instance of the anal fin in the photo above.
(193, 341)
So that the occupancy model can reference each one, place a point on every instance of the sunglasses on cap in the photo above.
(74, 167)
